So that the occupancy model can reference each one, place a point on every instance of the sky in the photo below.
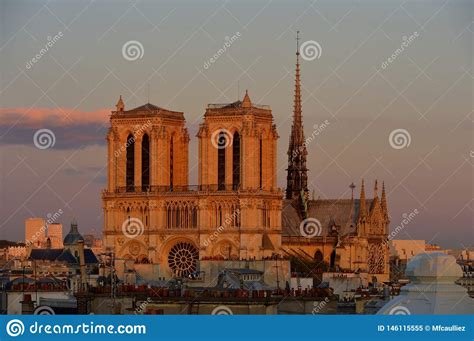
(386, 88)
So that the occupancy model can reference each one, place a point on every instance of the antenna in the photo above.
(148, 93)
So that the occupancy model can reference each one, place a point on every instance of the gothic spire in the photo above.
(297, 177)
(362, 208)
(384, 201)
(376, 190)
(246, 103)
(120, 105)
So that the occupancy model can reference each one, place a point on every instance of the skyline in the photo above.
(348, 87)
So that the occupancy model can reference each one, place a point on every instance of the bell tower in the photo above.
(237, 147)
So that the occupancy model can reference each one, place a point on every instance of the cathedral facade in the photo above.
(152, 214)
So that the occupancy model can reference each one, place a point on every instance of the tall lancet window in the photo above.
(171, 162)
(236, 161)
(260, 161)
(221, 160)
(130, 166)
(145, 162)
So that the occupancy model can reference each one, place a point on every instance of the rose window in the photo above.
(182, 259)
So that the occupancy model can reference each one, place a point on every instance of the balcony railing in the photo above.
(175, 189)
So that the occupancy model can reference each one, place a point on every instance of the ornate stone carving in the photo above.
(376, 258)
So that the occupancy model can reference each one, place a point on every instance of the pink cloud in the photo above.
(36, 117)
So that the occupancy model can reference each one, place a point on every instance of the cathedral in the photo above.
(152, 215)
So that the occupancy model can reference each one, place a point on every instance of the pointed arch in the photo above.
(171, 161)
(318, 256)
(236, 163)
(145, 162)
(130, 163)
(260, 163)
(221, 151)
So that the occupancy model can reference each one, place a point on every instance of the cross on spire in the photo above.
(297, 43)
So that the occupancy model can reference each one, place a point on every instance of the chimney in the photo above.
(82, 264)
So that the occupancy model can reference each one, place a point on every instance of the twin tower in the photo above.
(152, 213)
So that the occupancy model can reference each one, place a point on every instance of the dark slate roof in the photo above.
(90, 257)
(150, 109)
(235, 105)
(72, 238)
(145, 107)
(45, 254)
(66, 256)
(342, 213)
(62, 255)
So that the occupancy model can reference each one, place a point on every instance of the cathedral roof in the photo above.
(246, 103)
(146, 107)
(149, 109)
(341, 213)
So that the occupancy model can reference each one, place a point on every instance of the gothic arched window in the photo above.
(171, 163)
(145, 162)
(260, 162)
(236, 161)
(130, 166)
(221, 161)
(318, 257)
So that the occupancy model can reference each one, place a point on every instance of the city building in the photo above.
(55, 235)
(35, 232)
